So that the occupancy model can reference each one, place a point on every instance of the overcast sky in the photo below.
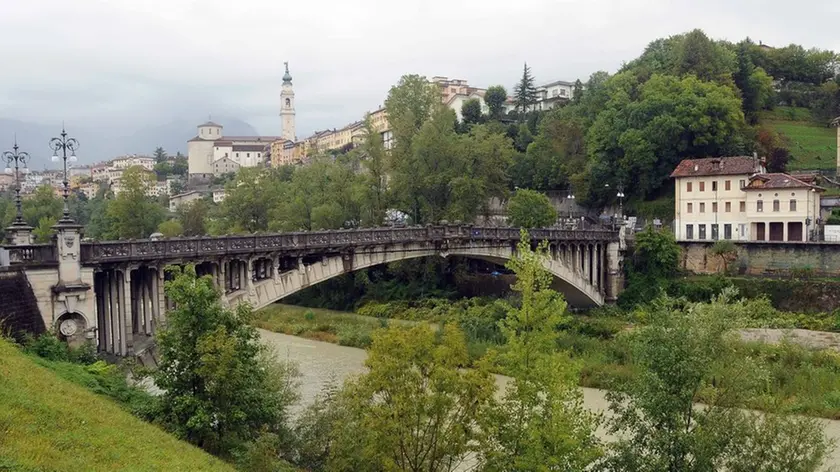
(129, 63)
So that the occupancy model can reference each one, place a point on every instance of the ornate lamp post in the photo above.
(620, 196)
(64, 144)
(571, 198)
(19, 232)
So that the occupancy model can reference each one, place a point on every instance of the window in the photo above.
(702, 207)
(714, 186)
(688, 186)
(727, 185)
(701, 229)
(742, 206)
(793, 205)
(742, 184)
(727, 207)
(776, 205)
(689, 231)
(727, 231)
(759, 206)
(288, 103)
(702, 186)
(715, 234)
(714, 207)
(248, 154)
(689, 207)
(237, 154)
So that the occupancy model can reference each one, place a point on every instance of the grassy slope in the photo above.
(813, 145)
(48, 423)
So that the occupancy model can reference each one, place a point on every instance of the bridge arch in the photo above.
(582, 284)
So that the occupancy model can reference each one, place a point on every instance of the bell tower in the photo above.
(287, 106)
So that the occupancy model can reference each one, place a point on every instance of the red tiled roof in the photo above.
(717, 166)
(777, 181)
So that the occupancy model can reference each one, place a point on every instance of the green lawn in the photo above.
(48, 423)
(813, 145)
(347, 329)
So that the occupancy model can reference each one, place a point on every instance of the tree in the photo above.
(540, 423)
(577, 92)
(646, 129)
(726, 251)
(657, 253)
(681, 353)
(525, 92)
(471, 112)
(375, 182)
(416, 409)
(132, 213)
(530, 209)
(250, 198)
(193, 217)
(221, 388)
(495, 98)
(171, 228)
(160, 155)
(409, 105)
(44, 231)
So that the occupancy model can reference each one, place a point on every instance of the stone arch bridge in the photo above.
(112, 291)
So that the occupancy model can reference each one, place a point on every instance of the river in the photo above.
(322, 362)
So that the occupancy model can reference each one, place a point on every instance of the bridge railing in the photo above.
(186, 248)
(32, 254)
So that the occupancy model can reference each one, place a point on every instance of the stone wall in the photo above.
(765, 258)
(19, 313)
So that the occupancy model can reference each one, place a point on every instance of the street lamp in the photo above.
(571, 198)
(620, 196)
(64, 144)
(19, 158)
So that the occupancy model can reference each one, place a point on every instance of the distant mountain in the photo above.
(99, 144)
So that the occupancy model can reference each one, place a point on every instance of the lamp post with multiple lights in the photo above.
(63, 144)
(19, 232)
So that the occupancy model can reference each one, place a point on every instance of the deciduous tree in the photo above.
(471, 112)
(221, 388)
(417, 408)
(530, 209)
(132, 213)
(495, 98)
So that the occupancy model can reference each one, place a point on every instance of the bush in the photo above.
(47, 346)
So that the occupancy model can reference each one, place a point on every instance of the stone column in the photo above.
(249, 275)
(125, 288)
(19, 234)
(160, 297)
(147, 292)
(107, 292)
(615, 276)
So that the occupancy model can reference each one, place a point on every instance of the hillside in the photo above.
(48, 423)
(813, 145)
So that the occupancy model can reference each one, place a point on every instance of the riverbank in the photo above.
(801, 366)
(321, 363)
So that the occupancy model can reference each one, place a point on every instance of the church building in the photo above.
(211, 144)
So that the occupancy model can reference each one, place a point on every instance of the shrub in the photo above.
(47, 346)
(309, 315)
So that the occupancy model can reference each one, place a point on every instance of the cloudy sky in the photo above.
(122, 64)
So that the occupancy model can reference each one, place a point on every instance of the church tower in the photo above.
(287, 106)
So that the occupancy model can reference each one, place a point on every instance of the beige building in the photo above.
(225, 165)
(176, 201)
(734, 198)
(125, 162)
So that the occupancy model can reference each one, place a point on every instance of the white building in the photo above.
(211, 145)
(548, 96)
(734, 198)
(125, 162)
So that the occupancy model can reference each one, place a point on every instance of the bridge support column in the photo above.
(615, 274)
(249, 275)
(108, 310)
(127, 312)
(159, 296)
